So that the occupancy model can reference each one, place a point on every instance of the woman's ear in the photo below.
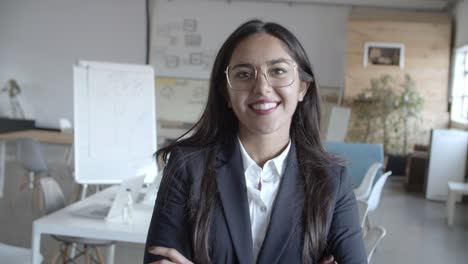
(303, 87)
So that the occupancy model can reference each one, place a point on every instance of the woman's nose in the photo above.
(261, 84)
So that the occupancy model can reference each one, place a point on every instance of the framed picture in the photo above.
(381, 53)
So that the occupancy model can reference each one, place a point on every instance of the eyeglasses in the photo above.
(278, 73)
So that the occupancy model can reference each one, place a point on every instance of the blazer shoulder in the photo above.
(186, 162)
(340, 179)
(337, 172)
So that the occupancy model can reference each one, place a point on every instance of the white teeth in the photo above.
(266, 106)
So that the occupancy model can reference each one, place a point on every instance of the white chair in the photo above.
(372, 239)
(15, 255)
(363, 209)
(54, 200)
(30, 157)
(364, 189)
(374, 197)
(66, 127)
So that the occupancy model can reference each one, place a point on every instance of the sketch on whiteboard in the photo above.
(198, 96)
(173, 40)
(190, 25)
(207, 59)
(176, 49)
(193, 40)
(116, 105)
(172, 61)
(175, 28)
(163, 30)
(195, 58)
(167, 92)
(180, 99)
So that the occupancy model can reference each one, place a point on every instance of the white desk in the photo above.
(454, 189)
(63, 223)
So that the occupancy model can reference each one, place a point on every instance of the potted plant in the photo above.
(15, 119)
(13, 90)
(374, 107)
(409, 105)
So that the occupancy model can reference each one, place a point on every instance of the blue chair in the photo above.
(358, 157)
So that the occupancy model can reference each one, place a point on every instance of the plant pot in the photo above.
(11, 125)
(397, 164)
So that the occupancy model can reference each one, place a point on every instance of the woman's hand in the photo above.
(170, 253)
(328, 260)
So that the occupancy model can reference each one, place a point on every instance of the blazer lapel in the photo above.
(233, 193)
(284, 215)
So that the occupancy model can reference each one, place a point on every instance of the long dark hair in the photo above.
(219, 124)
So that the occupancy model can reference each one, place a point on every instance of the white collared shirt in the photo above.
(261, 202)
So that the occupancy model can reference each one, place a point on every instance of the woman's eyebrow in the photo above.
(268, 62)
(248, 65)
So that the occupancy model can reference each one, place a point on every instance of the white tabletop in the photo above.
(63, 223)
(458, 186)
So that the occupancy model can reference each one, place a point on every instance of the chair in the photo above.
(30, 157)
(376, 193)
(374, 197)
(15, 255)
(359, 157)
(363, 209)
(66, 127)
(54, 200)
(364, 189)
(372, 239)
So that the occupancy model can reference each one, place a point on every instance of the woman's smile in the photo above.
(264, 107)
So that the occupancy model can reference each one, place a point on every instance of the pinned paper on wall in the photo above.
(180, 99)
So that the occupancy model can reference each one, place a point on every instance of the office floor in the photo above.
(416, 228)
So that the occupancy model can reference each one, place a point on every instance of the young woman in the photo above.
(253, 183)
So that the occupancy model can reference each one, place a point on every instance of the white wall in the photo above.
(41, 39)
(321, 30)
(461, 23)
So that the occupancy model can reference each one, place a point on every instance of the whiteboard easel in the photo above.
(115, 122)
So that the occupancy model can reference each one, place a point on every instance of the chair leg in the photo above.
(38, 195)
(110, 252)
(87, 256)
(368, 224)
(31, 180)
(65, 253)
(21, 188)
(73, 250)
(56, 257)
(99, 255)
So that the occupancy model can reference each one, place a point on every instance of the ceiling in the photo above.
(404, 4)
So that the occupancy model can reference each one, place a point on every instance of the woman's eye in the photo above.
(243, 75)
(278, 71)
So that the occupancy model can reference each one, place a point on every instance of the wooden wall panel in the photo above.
(426, 37)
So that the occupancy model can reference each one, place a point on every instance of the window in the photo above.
(459, 109)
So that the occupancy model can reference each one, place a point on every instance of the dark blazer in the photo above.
(230, 234)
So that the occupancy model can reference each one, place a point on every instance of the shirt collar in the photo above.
(278, 161)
